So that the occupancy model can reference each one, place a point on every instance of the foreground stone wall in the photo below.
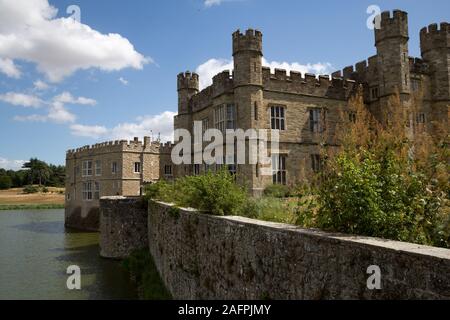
(209, 257)
(123, 226)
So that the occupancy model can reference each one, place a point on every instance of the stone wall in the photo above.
(123, 226)
(209, 257)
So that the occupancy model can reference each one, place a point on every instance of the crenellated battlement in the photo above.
(392, 26)
(117, 146)
(435, 37)
(361, 71)
(166, 147)
(309, 84)
(188, 80)
(417, 65)
(251, 40)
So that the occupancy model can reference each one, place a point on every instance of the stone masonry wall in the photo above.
(209, 257)
(123, 226)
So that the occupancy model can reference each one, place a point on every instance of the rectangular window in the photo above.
(98, 168)
(87, 168)
(205, 125)
(168, 170)
(420, 118)
(255, 111)
(96, 190)
(315, 121)
(68, 196)
(225, 117)
(316, 162)
(374, 93)
(277, 118)
(87, 191)
(279, 169)
(352, 116)
(114, 167)
(137, 167)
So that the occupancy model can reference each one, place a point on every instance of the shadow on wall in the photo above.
(90, 223)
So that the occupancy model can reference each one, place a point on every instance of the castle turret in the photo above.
(247, 54)
(391, 41)
(435, 45)
(248, 92)
(188, 86)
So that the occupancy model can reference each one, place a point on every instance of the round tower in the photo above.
(248, 96)
(187, 86)
(247, 55)
(391, 41)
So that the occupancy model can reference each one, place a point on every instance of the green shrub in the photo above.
(379, 197)
(45, 190)
(277, 191)
(5, 182)
(30, 189)
(215, 193)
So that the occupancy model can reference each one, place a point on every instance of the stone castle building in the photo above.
(305, 109)
(108, 169)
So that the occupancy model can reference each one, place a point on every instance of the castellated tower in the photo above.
(435, 45)
(435, 48)
(187, 86)
(391, 41)
(248, 90)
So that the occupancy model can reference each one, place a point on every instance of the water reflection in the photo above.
(35, 251)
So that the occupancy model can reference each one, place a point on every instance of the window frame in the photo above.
(98, 168)
(137, 164)
(87, 168)
(277, 116)
(87, 194)
(96, 191)
(317, 125)
(279, 171)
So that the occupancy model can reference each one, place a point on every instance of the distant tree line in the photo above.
(34, 171)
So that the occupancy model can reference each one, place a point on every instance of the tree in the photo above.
(39, 170)
(5, 182)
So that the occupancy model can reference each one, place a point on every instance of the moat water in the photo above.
(35, 251)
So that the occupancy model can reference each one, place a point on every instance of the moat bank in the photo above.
(36, 250)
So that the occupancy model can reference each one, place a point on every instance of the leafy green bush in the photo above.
(5, 182)
(45, 190)
(277, 191)
(30, 189)
(378, 197)
(215, 193)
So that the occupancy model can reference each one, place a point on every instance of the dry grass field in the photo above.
(15, 196)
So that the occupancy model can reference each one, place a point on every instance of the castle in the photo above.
(305, 109)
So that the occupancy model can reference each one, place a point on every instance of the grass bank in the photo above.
(142, 270)
(30, 206)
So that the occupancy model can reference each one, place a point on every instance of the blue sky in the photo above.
(65, 84)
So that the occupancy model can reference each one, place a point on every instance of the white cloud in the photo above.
(210, 3)
(57, 111)
(123, 81)
(210, 68)
(30, 31)
(66, 97)
(88, 131)
(40, 85)
(143, 126)
(21, 99)
(11, 164)
(8, 67)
